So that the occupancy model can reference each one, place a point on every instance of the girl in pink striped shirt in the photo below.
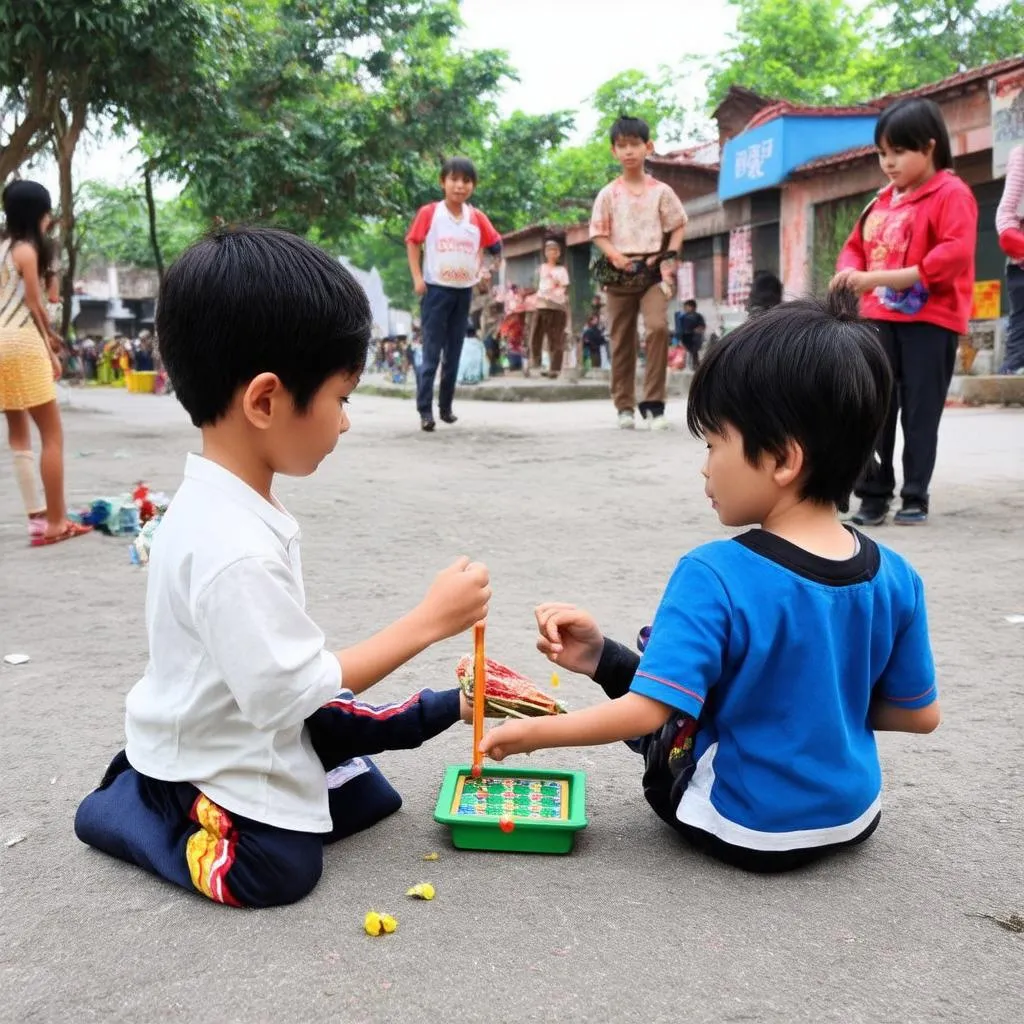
(1010, 225)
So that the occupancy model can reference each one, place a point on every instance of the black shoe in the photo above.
(449, 417)
(913, 513)
(427, 423)
(870, 513)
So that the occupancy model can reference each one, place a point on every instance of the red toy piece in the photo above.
(476, 771)
(506, 824)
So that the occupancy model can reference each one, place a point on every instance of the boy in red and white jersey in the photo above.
(445, 243)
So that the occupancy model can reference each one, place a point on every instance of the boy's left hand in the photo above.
(507, 739)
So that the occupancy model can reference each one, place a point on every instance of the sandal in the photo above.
(70, 531)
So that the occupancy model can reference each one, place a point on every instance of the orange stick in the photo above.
(479, 695)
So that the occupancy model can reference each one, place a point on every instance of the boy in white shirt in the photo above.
(244, 754)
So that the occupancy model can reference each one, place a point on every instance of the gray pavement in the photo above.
(631, 926)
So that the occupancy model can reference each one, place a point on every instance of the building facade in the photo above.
(783, 185)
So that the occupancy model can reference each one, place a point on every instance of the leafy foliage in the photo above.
(327, 113)
(830, 51)
(113, 226)
(62, 61)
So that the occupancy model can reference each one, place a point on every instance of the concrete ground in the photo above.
(630, 927)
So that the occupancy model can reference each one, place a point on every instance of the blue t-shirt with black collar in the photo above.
(778, 653)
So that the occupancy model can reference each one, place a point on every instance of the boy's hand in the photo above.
(457, 599)
(569, 637)
(419, 286)
(507, 739)
(465, 708)
(620, 262)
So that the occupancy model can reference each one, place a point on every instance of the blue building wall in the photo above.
(764, 156)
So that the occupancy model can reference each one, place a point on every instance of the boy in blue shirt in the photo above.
(775, 656)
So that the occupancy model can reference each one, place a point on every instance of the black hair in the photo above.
(912, 124)
(626, 127)
(690, 302)
(25, 205)
(246, 301)
(459, 166)
(809, 372)
(765, 292)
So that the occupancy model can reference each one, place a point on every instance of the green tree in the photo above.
(806, 51)
(514, 164)
(926, 40)
(113, 226)
(327, 113)
(638, 94)
(63, 62)
(832, 51)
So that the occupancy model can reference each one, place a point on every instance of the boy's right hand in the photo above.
(419, 286)
(569, 637)
(620, 262)
(457, 599)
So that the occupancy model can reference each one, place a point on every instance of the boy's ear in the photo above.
(262, 395)
(649, 147)
(790, 467)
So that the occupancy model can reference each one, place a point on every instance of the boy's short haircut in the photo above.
(626, 127)
(246, 301)
(692, 303)
(459, 167)
(806, 371)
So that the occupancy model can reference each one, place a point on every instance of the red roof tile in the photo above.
(834, 160)
(962, 78)
(786, 109)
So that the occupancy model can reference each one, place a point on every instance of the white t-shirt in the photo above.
(235, 663)
(451, 248)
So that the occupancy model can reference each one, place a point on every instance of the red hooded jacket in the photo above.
(934, 229)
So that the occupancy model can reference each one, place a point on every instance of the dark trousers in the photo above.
(692, 343)
(444, 315)
(1014, 360)
(175, 831)
(922, 357)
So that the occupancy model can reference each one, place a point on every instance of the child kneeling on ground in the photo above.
(775, 656)
(244, 754)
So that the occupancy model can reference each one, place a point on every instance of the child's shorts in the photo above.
(668, 768)
(176, 832)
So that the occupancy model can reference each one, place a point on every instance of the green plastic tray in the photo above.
(480, 829)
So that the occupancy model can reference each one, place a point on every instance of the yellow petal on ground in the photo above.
(422, 891)
(431, 856)
(388, 923)
(554, 680)
(372, 923)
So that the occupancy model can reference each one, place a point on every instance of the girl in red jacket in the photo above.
(911, 256)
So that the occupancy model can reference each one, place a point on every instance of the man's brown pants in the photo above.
(623, 309)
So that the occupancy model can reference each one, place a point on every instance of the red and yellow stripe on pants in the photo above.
(210, 852)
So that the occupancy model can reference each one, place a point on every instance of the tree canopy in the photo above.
(831, 51)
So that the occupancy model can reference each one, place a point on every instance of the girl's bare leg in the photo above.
(51, 465)
(20, 440)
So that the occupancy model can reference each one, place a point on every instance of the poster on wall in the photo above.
(686, 281)
(741, 265)
(1007, 96)
(986, 300)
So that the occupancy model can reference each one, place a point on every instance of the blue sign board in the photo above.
(764, 156)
